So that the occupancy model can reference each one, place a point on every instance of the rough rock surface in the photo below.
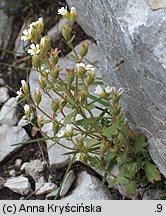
(46, 188)
(83, 17)
(33, 169)
(88, 187)
(5, 26)
(19, 185)
(3, 94)
(2, 181)
(67, 183)
(8, 112)
(131, 38)
(10, 135)
(55, 31)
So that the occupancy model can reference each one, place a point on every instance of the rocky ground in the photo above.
(32, 171)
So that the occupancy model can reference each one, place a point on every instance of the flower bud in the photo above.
(42, 83)
(70, 75)
(103, 148)
(38, 96)
(116, 96)
(40, 121)
(55, 105)
(83, 157)
(62, 134)
(62, 104)
(90, 78)
(73, 15)
(27, 111)
(66, 32)
(45, 44)
(54, 57)
(55, 128)
(38, 25)
(83, 49)
(69, 129)
(80, 68)
(117, 109)
(36, 61)
(82, 97)
(25, 87)
(35, 36)
(79, 140)
(54, 73)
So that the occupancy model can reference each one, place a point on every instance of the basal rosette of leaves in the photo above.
(98, 141)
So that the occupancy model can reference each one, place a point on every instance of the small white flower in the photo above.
(38, 22)
(80, 65)
(89, 67)
(92, 73)
(26, 35)
(26, 108)
(19, 94)
(23, 83)
(73, 10)
(113, 89)
(99, 91)
(69, 128)
(108, 89)
(62, 11)
(61, 134)
(34, 49)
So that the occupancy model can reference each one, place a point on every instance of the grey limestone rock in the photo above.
(67, 183)
(19, 185)
(33, 168)
(88, 187)
(131, 38)
(10, 135)
(3, 94)
(5, 26)
(8, 113)
(46, 188)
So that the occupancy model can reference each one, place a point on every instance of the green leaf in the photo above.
(91, 106)
(152, 172)
(70, 101)
(123, 180)
(71, 40)
(112, 182)
(68, 118)
(131, 187)
(122, 139)
(104, 179)
(123, 155)
(110, 131)
(73, 57)
(47, 121)
(132, 170)
(32, 141)
(91, 142)
(140, 144)
(84, 122)
(94, 162)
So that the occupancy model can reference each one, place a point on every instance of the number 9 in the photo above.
(159, 208)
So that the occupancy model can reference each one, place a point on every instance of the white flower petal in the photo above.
(32, 46)
(99, 91)
(25, 32)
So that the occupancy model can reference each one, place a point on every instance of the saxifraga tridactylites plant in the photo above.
(99, 141)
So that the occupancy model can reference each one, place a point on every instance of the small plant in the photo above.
(100, 141)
